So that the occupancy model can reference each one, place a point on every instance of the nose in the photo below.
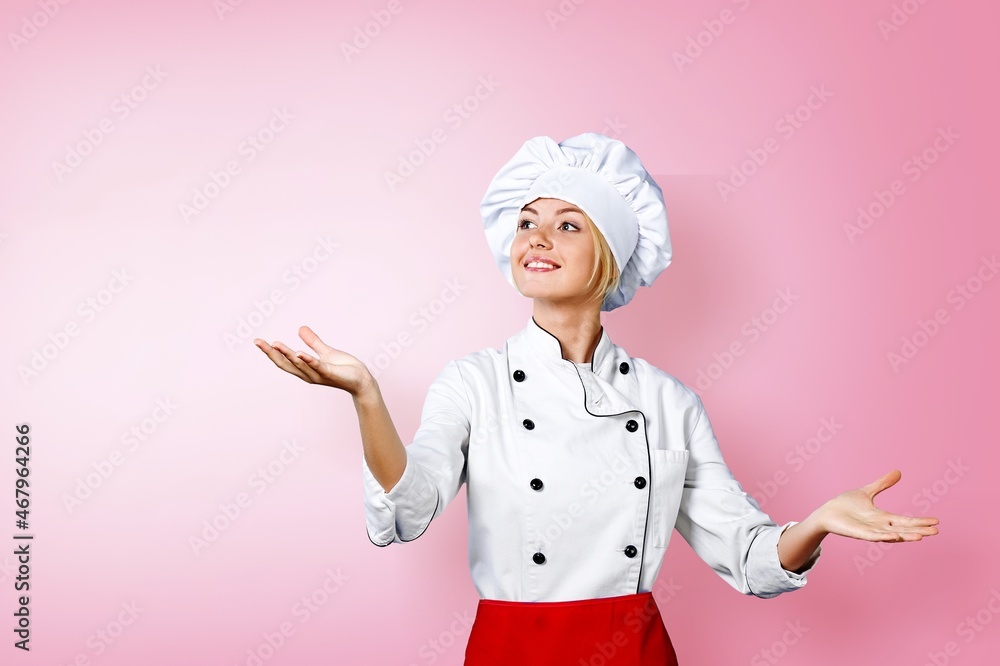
(537, 238)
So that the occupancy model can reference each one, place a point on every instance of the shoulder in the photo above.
(668, 387)
(476, 366)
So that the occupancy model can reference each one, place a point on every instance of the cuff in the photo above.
(403, 513)
(765, 576)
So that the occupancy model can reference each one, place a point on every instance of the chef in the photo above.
(579, 459)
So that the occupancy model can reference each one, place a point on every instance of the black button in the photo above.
(630, 551)
(631, 426)
(519, 375)
(529, 424)
(640, 482)
(536, 484)
(624, 368)
(540, 559)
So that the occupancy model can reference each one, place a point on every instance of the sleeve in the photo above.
(725, 526)
(435, 466)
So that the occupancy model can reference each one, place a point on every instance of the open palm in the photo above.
(334, 367)
(854, 514)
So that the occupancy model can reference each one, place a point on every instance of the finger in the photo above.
(892, 535)
(307, 373)
(288, 359)
(280, 359)
(905, 526)
(922, 530)
(309, 365)
(311, 339)
(886, 481)
(911, 521)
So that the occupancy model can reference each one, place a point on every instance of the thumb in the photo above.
(311, 339)
(886, 481)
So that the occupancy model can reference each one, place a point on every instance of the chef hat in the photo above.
(604, 178)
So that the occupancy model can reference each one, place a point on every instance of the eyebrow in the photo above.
(529, 209)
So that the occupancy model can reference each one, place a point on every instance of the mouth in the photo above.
(539, 266)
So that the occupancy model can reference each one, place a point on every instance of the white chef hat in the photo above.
(604, 178)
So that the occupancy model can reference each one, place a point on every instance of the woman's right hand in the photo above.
(333, 367)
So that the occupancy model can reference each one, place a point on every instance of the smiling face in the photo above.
(556, 234)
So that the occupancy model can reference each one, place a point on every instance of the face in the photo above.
(555, 232)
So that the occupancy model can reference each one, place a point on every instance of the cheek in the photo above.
(517, 248)
(583, 255)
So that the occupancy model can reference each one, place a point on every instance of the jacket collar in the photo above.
(547, 347)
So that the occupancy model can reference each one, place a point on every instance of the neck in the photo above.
(578, 330)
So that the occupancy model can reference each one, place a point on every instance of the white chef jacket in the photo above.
(576, 476)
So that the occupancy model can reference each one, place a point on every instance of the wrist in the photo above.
(817, 523)
(368, 391)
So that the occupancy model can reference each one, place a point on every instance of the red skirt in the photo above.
(613, 631)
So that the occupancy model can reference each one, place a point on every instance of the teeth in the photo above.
(539, 264)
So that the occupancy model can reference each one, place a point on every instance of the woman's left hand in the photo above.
(854, 514)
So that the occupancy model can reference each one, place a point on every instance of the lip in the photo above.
(543, 260)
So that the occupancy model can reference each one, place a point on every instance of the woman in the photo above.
(580, 460)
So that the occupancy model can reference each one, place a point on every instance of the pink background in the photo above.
(605, 67)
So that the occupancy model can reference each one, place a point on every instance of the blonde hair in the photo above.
(605, 268)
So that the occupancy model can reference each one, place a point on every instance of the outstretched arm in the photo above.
(851, 514)
(384, 452)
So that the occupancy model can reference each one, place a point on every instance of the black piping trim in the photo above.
(593, 357)
(649, 462)
(745, 576)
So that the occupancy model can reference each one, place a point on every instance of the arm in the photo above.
(726, 527)
(797, 543)
(384, 452)
(422, 477)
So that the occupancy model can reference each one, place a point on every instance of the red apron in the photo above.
(612, 631)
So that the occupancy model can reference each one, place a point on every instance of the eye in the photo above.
(520, 224)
